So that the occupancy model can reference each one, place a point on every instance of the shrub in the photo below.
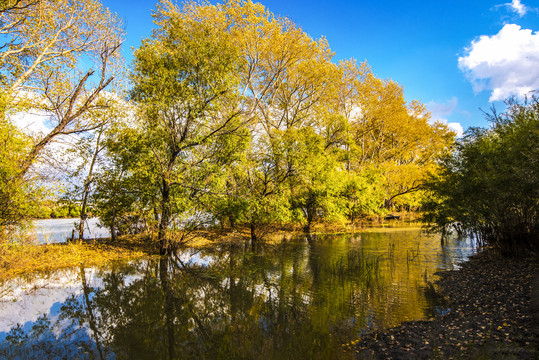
(489, 185)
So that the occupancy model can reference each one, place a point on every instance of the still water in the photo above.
(58, 230)
(300, 299)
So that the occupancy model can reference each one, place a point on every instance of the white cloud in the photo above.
(456, 127)
(440, 111)
(33, 124)
(506, 63)
(518, 7)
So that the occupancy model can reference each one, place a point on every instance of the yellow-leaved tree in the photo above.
(57, 59)
(395, 137)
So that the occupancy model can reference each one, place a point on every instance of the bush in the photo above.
(489, 185)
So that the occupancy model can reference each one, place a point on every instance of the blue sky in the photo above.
(415, 43)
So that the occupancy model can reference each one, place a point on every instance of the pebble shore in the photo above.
(493, 312)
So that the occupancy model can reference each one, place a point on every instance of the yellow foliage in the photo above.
(57, 58)
(22, 259)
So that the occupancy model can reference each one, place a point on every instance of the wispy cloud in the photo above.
(506, 63)
(518, 7)
(441, 110)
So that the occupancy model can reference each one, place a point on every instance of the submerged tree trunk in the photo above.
(254, 239)
(444, 235)
(253, 232)
(168, 306)
(232, 221)
(92, 320)
(309, 214)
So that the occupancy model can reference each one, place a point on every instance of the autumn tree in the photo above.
(389, 135)
(284, 82)
(15, 5)
(57, 58)
(186, 86)
(289, 85)
(243, 115)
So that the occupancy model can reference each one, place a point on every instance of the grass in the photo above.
(23, 256)
(20, 259)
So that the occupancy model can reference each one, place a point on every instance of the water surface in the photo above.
(301, 299)
(58, 230)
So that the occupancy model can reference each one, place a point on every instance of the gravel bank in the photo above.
(493, 315)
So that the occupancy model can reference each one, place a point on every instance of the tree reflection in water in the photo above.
(299, 299)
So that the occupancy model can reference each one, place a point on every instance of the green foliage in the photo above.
(489, 185)
(363, 193)
(185, 85)
(125, 196)
(18, 197)
(65, 212)
(116, 208)
(318, 182)
(238, 117)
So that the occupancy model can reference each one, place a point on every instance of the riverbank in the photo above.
(24, 256)
(492, 315)
(22, 259)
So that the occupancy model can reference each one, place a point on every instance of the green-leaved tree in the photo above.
(489, 185)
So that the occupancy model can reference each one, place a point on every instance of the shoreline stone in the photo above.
(492, 316)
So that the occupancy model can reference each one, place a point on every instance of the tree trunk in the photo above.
(253, 236)
(32, 155)
(113, 225)
(309, 214)
(253, 232)
(165, 218)
(87, 183)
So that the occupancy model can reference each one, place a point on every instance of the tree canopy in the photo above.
(489, 185)
(235, 117)
(57, 58)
